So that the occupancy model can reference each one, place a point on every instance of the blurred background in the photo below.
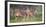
(25, 13)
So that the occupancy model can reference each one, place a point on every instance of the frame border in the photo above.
(22, 2)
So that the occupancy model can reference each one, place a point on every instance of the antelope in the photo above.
(18, 13)
(21, 13)
(26, 12)
(29, 13)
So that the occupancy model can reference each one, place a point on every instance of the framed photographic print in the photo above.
(24, 13)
